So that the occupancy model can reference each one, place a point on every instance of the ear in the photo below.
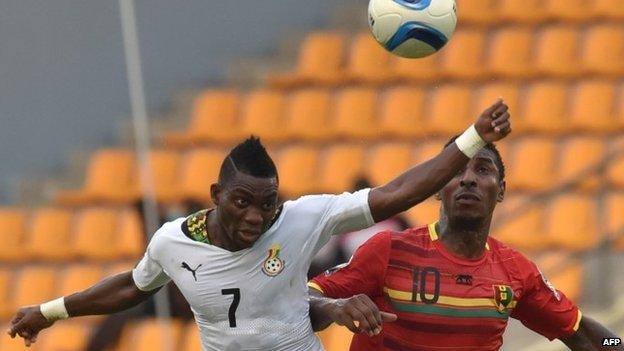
(215, 193)
(501, 193)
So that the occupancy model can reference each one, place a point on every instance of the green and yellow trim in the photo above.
(315, 286)
(579, 316)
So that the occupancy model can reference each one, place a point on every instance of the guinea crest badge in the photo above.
(273, 265)
(503, 296)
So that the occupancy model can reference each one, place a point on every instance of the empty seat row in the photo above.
(509, 52)
(54, 234)
(408, 111)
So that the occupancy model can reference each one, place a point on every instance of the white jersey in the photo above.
(256, 298)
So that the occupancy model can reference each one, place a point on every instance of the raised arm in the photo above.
(424, 180)
(113, 294)
(590, 336)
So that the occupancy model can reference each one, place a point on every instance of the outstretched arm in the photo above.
(589, 337)
(113, 294)
(424, 180)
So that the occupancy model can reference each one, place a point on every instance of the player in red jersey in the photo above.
(452, 286)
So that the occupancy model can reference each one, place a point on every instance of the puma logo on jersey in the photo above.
(193, 271)
(273, 265)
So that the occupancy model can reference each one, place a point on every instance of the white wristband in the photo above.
(470, 142)
(54, 310)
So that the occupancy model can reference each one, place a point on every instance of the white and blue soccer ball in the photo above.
(412, 28)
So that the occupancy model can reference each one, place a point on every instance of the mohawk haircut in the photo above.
(498, 160)
(249, 157)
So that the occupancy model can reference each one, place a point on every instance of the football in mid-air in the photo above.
(412, 28)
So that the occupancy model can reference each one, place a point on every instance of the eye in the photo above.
(268, 206)
(483, 169)
(240, 202)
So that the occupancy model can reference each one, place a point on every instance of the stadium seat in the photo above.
(613, 219)
(533, 164)
(615, 171)
(545, 108)
(199, 169)
(109, 178)
(298, 170)
(387, 161)
(96, 234)
(579, 155)
(603, 50)
(557, 51)
(6, 287)
(593, 107)
(12, 234)
(519, 223)
(49, 235)
(564, 272)
(355, 113)
(34, 285)
(78, 277)
(307, 115)
(522, 11)
(131, 237)
(402, 112)
(424, 213)
(477, 11)
(151, 335)
(428, 149)
(341, 165)
(65, 336)
(450, 110)
(368, 62)
(213, 118)
(465, 55)
(191, 339)
(510, 92)
(164, 175)
(569, 10)
(511, 52)
(609, 8)
(572, 222)
(425, 69)
(336, 338)
(320, 61)
(263, 115)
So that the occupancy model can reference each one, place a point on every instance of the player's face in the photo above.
(245, 207)
(473, 193)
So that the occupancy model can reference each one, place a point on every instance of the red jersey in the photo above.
(445, 302)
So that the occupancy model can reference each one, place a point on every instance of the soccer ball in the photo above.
(412, 28)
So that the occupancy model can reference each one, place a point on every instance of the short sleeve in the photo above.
(149, 274)
(542, 308)
(363, 274)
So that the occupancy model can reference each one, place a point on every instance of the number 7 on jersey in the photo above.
(234, 305)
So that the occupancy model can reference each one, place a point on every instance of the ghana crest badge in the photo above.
(273, 265)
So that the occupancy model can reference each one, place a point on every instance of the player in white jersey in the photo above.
(242, 265)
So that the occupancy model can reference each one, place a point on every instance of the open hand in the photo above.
(360, 314)
(27, 323)
(494, 124)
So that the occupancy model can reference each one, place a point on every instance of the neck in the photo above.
(217, 233)
(466, 239)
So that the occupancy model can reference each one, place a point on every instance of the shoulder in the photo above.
(194, 226)
(166, 234)
(521, 266)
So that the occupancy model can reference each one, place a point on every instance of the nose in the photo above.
(253, 217)
(468, 179)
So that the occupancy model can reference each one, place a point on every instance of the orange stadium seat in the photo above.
(109, 177)
(50, 234)
(511, 52)
(424, 69)
(572, 222)
(465, 55)
(569, 10)
(191, 341)
(564, 272)
(307, 115)
(78, 277)
(424, 213)
(580, 155)
(557, 51)
(545, 107)
(164, 175)
(151, 335)
(533, 161)
(96, 234)
(519, 223)
(428, 150)
(65, 336)
(340, 167)
(263, 114)
(523, 11)
(213, 118)
(450, 110)
(510, 92)
(593, 106)
(368, 62)
(34, 285)
(609, 8)
(355, 113)
(477, 11)
(402, 112)
(12, 234)
(387, 161)
(612, 217)
(199, 169)
(298, 170)
(131, 240)
(6, 287)
(603, 50)
(615, 171)
(336, 338)
(320, 61)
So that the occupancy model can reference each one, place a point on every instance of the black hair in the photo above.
(249, 157)
(498, 160)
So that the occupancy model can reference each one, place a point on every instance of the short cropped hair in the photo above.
(249, 157)
(498, 160)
